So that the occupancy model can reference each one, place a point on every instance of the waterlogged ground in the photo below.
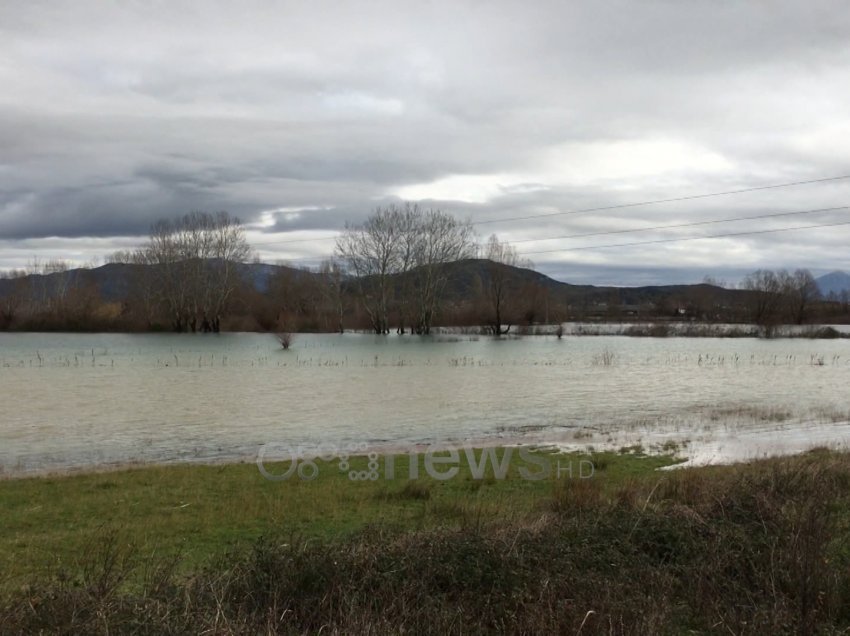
(92, 400)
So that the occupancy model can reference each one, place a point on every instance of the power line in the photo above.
(658, 201)
(605, 208)
(676, 226)
(681, 225)
(688, 238)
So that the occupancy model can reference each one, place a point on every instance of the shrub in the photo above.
(285, 338)
(754, 549)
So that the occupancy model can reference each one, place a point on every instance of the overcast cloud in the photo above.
(300, 116)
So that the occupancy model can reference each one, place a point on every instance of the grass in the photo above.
(197, 511)
(605, 359)
(748, 411)
(747, 549)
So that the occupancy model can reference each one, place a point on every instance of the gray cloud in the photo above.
(298, 117)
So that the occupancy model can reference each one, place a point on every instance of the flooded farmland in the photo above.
(80, 401)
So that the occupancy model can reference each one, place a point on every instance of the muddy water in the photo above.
(92, 400)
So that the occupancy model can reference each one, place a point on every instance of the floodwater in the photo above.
(81, 401)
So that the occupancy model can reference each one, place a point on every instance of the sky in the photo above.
(300, 117)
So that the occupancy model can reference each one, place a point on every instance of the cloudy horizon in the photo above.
(300, 117)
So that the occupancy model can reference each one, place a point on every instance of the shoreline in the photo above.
(730, 448)
(637, 328)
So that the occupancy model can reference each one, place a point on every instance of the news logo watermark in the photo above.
(282, 461)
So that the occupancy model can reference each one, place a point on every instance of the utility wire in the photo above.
(605, 208)
(688, 238)
(681, 225)
(657, 201)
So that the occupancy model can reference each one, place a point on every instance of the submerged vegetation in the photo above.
(748, 549)
(672, 329)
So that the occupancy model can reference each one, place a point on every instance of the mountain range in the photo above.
(113, 280)
(833, 283)
(113, 283)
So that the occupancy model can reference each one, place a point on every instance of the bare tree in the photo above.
(332, 290)
(297, 294)
(500, 285)
(195, 260)
(768, 291)
(143, 295)
(165, 253)
(50, 282)
(398, 258)
(120, 257)
(13, 301)
(441, 240)
(228, 248)
(284, 335)
(370, 252)
(802, 293)
(779, 296)
(409, 221)
(51, 294)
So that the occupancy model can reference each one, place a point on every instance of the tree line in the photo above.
(781, 297)
(45, 295)
(398, 261)
(394, 271)
(191, 271)
(389, 272)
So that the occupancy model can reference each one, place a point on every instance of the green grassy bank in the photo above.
(756, 548)
(198, 511)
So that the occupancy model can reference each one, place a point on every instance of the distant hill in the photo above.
(834, 282)
(465, 274)
(113, 282)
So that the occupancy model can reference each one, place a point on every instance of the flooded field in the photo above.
(73, 401)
